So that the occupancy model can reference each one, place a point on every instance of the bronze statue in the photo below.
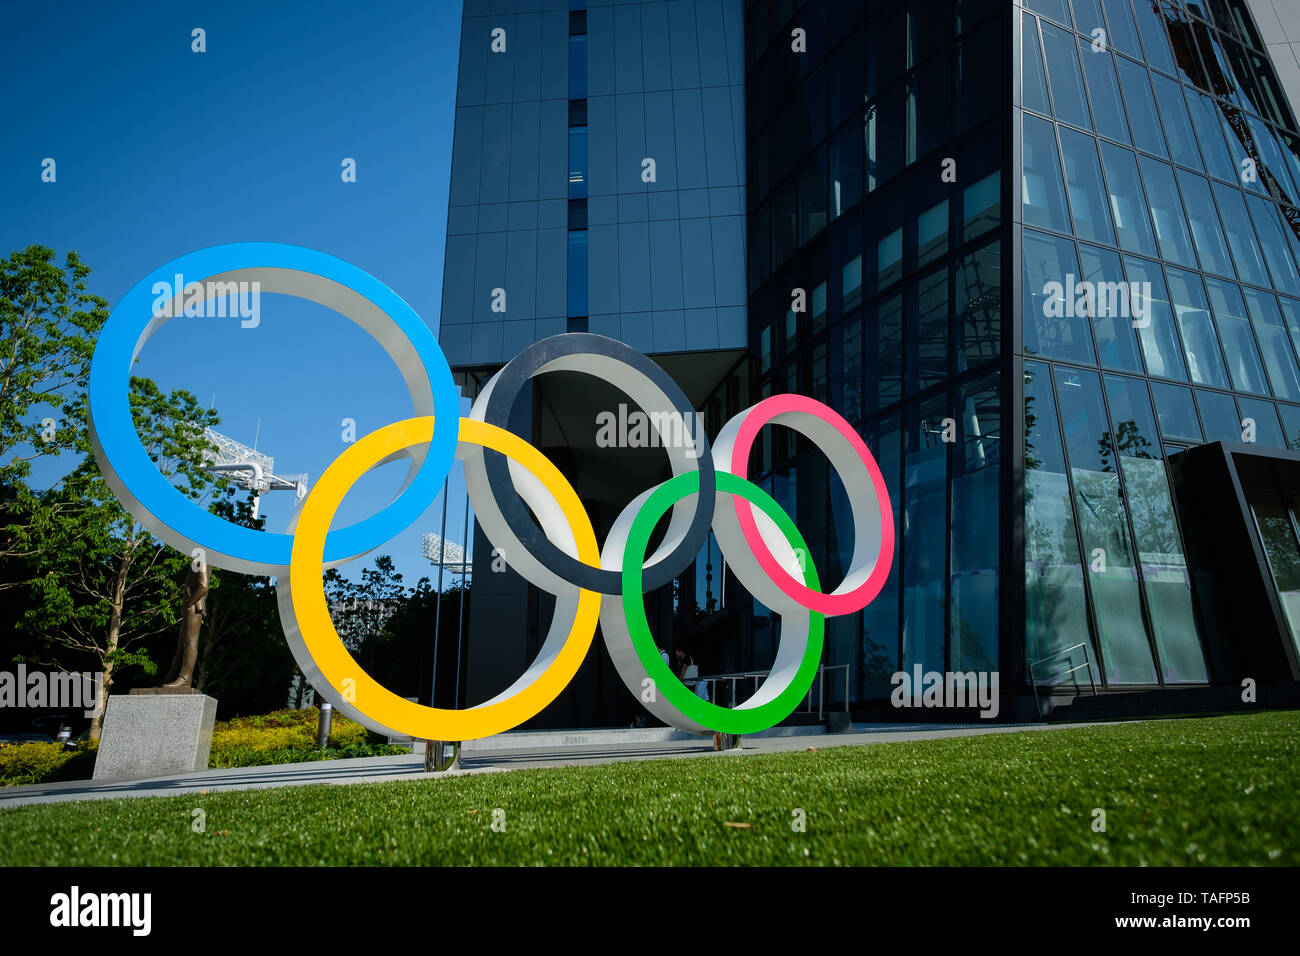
(193, 610)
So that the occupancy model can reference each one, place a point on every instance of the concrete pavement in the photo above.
(511, 751)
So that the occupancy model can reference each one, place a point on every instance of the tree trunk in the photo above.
(114, 636)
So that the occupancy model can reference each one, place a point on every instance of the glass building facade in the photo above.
(597, 177)
(1044, 255)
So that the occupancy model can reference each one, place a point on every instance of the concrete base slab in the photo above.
(152, 735)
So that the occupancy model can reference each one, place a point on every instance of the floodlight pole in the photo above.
(464, 569)
(437, 609)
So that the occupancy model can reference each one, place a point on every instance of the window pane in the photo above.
(928, 348)
(1275, 165)
(1273, 344)
(1241, 238)
(886, 369)
(929, 108)
(1136, 84)
(979, 306)
(1135, 426)
(578, 162)
(1127, 202)
(1117, 605)
(1291, 316)
(1219, 416)
(1107, 104)
(979, 75)
(1276, 251)
(846, 171)
(1055, 603)
(812, 197)
(932, 233)
(1053, 325)
(1190, 69)
(925, 503)
(1263, 417)
(1123, 34)
(1205, 119)
(1237, 136)
(1063, 73)
(818, 311)
(578, 272)
(973, 571)
(1087, 16)
(785, 223)
(1112, 326)
(1199, 339)
(851, 279)
(1178, 125)
(982, 205)
(578, 67)
(889, 259)
(1155, 532)
(1176, 412)
(1291, 425)
(1234, 332)
(1087, 193)
(1058, 10)
(1156, 329)
(1042, 195)
(851, 380)
(880, 618)
(1034, 94)
(1167, 213)
(1155, 41)
(1206, 232)
(883, 129)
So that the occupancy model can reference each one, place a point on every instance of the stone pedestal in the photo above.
(152, 735)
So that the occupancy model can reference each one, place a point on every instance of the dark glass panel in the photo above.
(1219, 416)
(1200, 341)
(1107, 548)
(1107, 103)
(1068, 98)
(1034, 78)
(1177, 412)
(1156, 329)
(1112, 326)
(1042, 195)
(1238, 342)
(976, 530)
(1054, 325)
(1263, 417)
(925, 505)
(1056, 612)
(1088, 199)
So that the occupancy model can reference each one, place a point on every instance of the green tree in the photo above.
(244, 659)
(104, 585)
(48, 324)
(361, 609)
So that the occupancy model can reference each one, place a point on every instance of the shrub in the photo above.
(40, 762)
(283, 736)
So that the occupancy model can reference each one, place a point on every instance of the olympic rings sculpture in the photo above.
(525, 506)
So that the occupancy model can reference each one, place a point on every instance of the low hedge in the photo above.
(40, 762)
(284, 736)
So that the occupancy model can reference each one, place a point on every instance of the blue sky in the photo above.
(161, 151)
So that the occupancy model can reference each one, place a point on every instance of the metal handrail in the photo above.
(1087, 662)
(737, 676)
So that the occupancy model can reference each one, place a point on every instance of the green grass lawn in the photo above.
(1211, 791)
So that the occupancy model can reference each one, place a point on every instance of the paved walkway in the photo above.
(559, 749)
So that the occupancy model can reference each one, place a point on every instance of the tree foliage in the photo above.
(103, 584)
(48, 324)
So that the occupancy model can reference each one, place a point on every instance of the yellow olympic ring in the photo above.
(306, 610)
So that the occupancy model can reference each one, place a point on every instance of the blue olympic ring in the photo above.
(291, 270)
